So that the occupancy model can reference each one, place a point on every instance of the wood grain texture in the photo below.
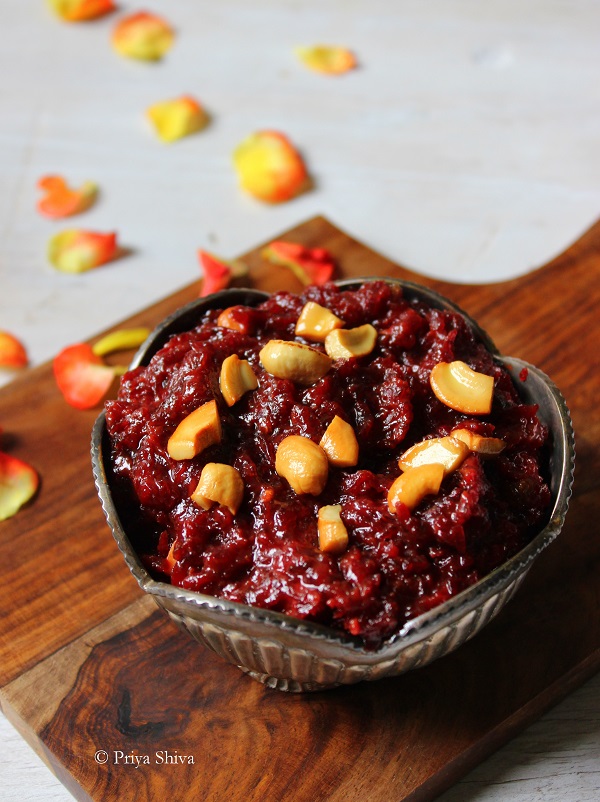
(87, 663)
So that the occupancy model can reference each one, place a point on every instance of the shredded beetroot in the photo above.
(398, 564)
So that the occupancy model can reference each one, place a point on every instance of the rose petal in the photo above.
(327, 59)
(62, 201)
(75, 250)
(174, 119)
(121, 340)
(143, 36)
(12, 351)
(217, 273)
(82, 377)
(81, 10)
(309, 265)
(269, 167)
(18, 484)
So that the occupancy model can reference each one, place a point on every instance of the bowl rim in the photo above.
(415, 630)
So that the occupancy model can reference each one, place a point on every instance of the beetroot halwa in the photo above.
(398, 562)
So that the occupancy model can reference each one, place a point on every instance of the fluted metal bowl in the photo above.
(293, 655)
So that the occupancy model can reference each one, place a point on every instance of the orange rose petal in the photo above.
(327, 59)
(81, 10)
(18, 484)
(82, 377)
(174, 119)
(75, 250)
(269, 167)
(309, 265)
(143, 36)
(62, 201)
(12, 351)
(217, 273)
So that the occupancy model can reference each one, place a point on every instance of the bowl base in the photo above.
(287, 685)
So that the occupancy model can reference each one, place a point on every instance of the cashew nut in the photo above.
(303, 463)
(476, 442)
(444, 451)
(333, 535)
(198, 430)
(228, 320)
(316, 321)
(346, 343)
(237, 378)
(340, 444)
(219, 484)
(291, 360)
(459, 387)
(411, 487)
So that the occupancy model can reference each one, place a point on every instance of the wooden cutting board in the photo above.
(88, 663)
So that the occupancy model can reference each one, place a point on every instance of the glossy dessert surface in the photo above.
(399, 565)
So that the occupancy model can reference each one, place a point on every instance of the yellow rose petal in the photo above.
(81, 10)
(269, 167)
(174, 119)
(121, 340)
(327, 59)
(75, 251)
(143, 36)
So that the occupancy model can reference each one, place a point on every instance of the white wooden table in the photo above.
(466, 146)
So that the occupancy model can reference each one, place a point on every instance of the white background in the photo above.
(466, 146)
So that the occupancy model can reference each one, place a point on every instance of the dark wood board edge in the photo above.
(510, 728)
(29, 702)
(439, 782)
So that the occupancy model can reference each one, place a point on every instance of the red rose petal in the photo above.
(309, 265)
(217, 273)
(81, 376)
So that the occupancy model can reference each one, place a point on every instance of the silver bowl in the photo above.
(292, 655)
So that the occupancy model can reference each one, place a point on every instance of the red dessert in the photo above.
(305, 489)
